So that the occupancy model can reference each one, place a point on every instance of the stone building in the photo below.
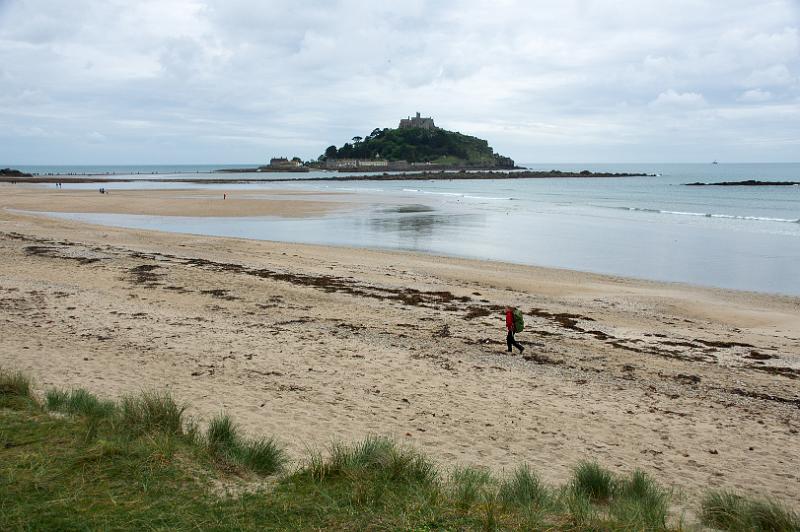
(356, 163)
(424, 122)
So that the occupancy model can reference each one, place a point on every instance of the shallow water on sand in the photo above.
(647, 227)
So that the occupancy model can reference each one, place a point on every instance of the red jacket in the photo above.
(509, 320)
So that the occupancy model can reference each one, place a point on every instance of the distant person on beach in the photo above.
(513, 326)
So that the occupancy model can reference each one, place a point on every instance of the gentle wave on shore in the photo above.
(711, 215)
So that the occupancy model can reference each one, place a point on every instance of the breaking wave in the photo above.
(456, 194)
(712, 215)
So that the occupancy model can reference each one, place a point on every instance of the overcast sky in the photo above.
(226, 81)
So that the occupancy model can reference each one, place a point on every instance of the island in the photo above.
(415, 144)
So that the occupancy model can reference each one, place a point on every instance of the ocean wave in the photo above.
(358, 189)
(457, 194)
(488, 198)
(713, 215)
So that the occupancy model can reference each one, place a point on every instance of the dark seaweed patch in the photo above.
(218, 293)
(54, 253)
(145, 275)
(765, 397)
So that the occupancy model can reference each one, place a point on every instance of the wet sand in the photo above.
(312, 344)
(194, 202)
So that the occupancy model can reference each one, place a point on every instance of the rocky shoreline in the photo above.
(263, 169)
(10, 172)
(747, 183)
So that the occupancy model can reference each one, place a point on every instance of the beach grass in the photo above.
(78, 402)
(151, 412)
(470, 485)
(524, 489)
(221, 435)
(641, 502)
(15, 389)
(727, 510)
(593, 481)
(75, 461)
(264, 456)
(377, 457)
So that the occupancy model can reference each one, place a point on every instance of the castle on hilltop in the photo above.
(417, 121)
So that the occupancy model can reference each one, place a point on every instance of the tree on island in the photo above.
(330, 152)
(420, 145)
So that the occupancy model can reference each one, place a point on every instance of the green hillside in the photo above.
(418, 145)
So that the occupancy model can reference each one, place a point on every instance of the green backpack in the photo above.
(519, 322)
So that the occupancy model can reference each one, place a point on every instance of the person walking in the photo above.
(510, 340)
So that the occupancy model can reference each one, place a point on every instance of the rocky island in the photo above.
(416, 144)
(415, 149)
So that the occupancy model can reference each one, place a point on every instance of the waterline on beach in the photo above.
(696, 250)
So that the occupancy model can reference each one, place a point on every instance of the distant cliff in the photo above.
(419, 146)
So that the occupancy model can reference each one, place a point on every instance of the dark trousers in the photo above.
(512, 342)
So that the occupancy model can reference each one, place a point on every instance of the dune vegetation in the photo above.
(71, 460)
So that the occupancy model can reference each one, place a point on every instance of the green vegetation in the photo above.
(263, 456)
(417, 145)
(728, 511)
(523, 488)
(641, 502)
(75, 462)
(78, 402)
(15, 389)
(150, 413)
(592, 481)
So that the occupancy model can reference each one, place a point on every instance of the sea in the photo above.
(653, 227)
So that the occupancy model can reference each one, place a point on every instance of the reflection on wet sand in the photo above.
(417, 227)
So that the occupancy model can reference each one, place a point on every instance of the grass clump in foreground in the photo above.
(728, 511)
(151, 412)
(139, 464)
(374, 457)
(15, 389)
(263, 456)
(592, 481)
(78, 402)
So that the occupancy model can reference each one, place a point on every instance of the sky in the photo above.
(234, 81)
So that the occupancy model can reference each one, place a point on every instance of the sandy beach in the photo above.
(313, 344)
(196, 202)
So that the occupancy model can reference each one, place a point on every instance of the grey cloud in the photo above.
(233, 80)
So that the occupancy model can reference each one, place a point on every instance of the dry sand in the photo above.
(312, 344)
